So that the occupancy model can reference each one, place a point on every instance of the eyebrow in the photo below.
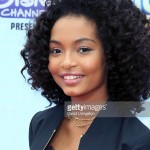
(77, 41)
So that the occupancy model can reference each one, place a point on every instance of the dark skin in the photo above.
(68, 55)
(68, 136)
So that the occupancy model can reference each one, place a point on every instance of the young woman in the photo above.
(89, 52)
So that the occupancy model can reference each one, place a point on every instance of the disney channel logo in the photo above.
(32, 8)
(21, 8)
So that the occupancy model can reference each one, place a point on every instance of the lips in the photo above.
(71, 79)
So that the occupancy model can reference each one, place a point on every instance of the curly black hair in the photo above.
(125, 34)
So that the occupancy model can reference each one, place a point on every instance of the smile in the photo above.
(71, 77)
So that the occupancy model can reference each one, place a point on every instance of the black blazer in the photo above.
(113, 133)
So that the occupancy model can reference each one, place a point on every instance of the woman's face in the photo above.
(76, 60)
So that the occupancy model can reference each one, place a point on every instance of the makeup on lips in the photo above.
(71, 79)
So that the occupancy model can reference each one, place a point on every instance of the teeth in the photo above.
(71, 77)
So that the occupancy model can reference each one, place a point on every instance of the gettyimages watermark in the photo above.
(83, 109)
(109, 109)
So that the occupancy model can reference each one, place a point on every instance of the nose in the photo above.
(68, 61)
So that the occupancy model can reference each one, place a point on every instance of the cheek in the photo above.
(94, 65)
(52, 67)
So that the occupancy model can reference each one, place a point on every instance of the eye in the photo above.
(84, 50)
(55, 51)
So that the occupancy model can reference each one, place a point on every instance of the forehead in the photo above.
(73, 26)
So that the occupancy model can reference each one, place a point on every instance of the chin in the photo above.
(71, 93)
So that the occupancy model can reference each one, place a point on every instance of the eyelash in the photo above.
(56, 51)
(52, 51)
(85, 48)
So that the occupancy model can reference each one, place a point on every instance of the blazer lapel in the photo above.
(50, 124)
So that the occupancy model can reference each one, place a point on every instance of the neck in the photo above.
(89, 105)
(93, 97)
